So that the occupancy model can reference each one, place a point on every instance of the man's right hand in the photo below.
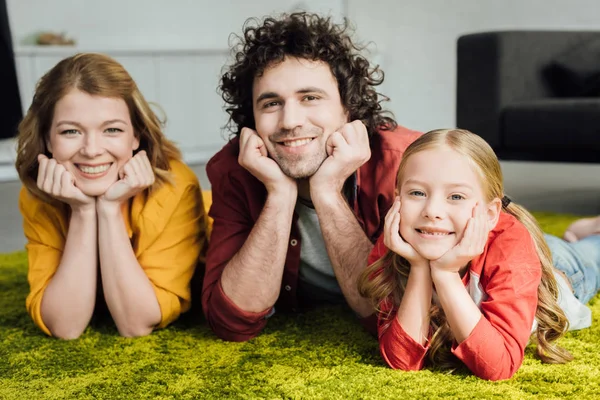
(255, 158)
(59, 183)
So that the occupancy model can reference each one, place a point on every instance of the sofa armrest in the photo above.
(495, 69)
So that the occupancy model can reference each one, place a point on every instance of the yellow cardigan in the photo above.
(168, 232)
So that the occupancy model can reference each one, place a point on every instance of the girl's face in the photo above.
(93, 138)
(438, 192)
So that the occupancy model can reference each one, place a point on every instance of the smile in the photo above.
(296, 143)
(93, 169)
(433, 232)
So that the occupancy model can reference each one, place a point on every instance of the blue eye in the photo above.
(70, 132)
(457, 197)
(416, 193)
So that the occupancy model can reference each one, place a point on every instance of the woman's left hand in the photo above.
(135, 176)
(470, 246)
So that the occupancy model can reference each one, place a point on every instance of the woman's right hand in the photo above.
(395, 242)
(59, 183)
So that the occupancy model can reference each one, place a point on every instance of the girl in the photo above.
(112, 215)
(461, 274)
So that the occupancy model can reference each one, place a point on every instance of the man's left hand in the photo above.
(347, 150)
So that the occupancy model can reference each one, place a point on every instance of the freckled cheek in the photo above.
(407, 216)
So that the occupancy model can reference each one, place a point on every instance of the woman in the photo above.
(111, 213)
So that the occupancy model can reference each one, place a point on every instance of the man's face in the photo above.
(297, 106)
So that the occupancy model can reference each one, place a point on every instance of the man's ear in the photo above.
(493, 212)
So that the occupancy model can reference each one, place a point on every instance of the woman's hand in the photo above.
(59, 183)
(395, 242)
(135, 176)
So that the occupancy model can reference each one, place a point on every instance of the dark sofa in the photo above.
(533, 95)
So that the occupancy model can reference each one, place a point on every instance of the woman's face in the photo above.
(93, 138)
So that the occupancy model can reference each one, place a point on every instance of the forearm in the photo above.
(252, 278)
(461, 312)
(128, 292)
(413, 313)
(69, 299)
(347, 246)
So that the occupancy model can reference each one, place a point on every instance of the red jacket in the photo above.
(238, 199)
(503, 282)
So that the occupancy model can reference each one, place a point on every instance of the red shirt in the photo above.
(503, 281)
(238, 199)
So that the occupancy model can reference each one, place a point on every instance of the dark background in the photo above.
(10, 106)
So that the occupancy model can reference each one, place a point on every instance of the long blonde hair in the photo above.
(97, 75)
(385, 280)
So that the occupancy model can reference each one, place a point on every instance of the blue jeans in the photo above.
(580, 261)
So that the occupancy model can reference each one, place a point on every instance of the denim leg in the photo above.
(580, 261)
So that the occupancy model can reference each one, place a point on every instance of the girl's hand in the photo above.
(395, 242)
(59, 183)
(470, 246)
(135, 176)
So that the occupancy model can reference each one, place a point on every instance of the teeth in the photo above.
(93, 170)
(434, 233)
(296, 143)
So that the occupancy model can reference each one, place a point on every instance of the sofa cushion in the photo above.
(576, 72)
(553, 124)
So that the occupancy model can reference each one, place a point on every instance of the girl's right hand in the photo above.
(395, 242)
(59, 183)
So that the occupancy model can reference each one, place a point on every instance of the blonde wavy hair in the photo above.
(97, 75)
(386, 279)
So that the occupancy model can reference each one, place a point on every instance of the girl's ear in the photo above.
(493, 212)
(136, 142)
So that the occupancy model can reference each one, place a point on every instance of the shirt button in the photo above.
(288, 287)
(294, 242)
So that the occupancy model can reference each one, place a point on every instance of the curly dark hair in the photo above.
(312, 37)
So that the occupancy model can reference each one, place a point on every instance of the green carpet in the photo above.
(323, 354)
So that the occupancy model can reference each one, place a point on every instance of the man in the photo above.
(300, 195)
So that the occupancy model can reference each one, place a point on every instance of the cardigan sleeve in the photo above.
(45, 229)
(176, 248)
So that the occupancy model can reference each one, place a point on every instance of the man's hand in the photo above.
(59, 183)
(347, 150)
(395, 242)
(136, 175)
(255, 158)
(470, 246)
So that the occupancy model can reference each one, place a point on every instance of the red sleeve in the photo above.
(231, 227)
(512, 274)
(398, 349)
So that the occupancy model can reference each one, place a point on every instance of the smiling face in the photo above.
(92, 137)
(439, 189)
(297, 106)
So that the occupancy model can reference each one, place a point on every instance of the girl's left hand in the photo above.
(470, 246)
(135, 176)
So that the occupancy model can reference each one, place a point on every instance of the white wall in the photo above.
(148, 23)
(174, 51)
(417, 39)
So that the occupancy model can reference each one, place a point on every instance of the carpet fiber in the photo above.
(322, 354)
